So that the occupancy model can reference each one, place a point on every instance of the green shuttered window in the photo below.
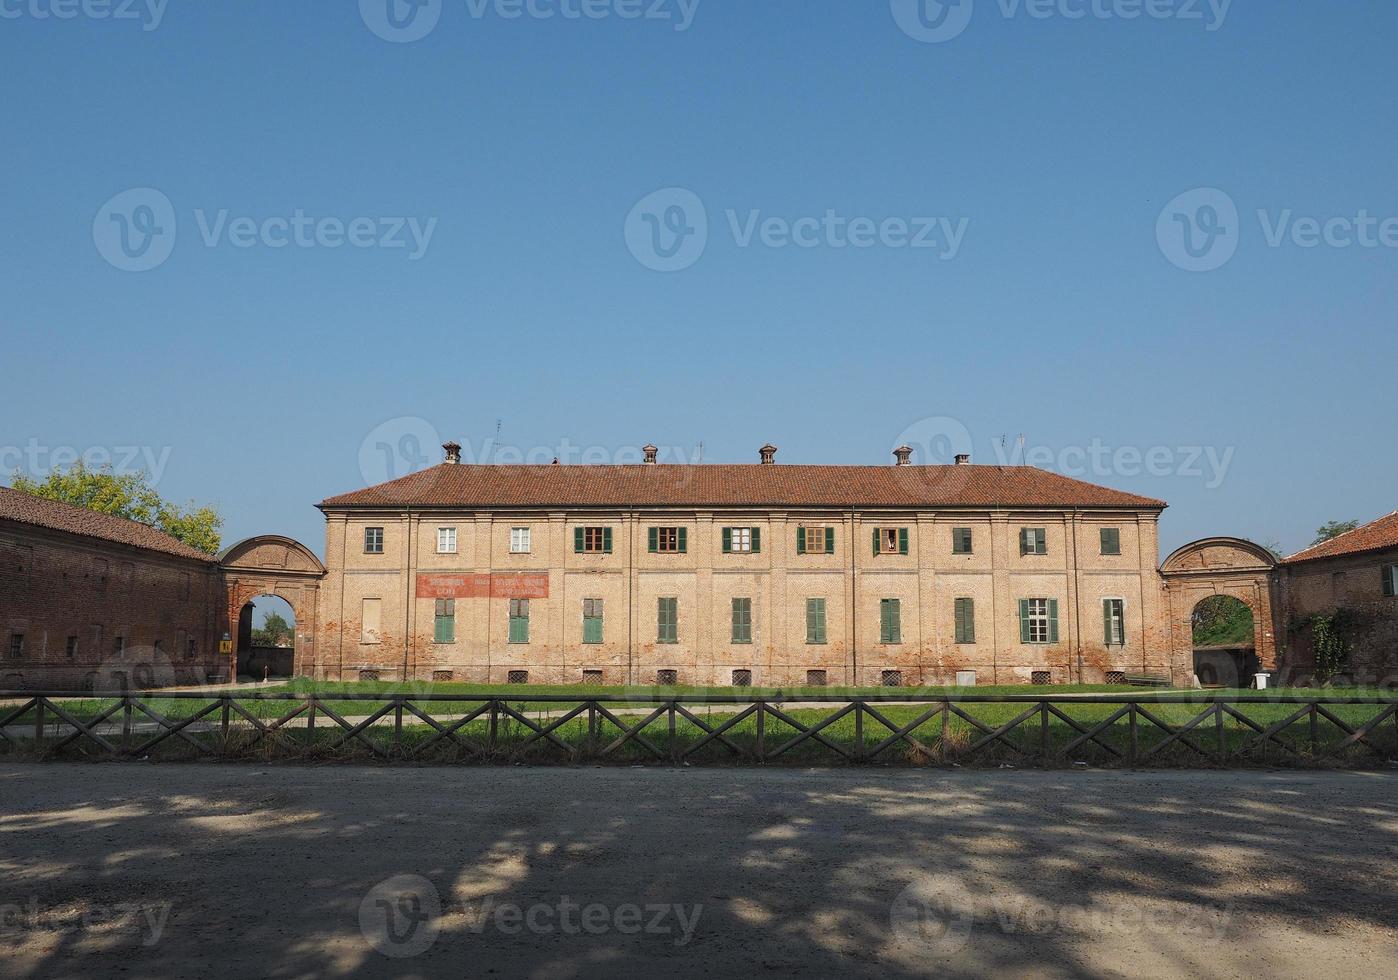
(1033, 541)
(592, 540)
(1038, 621)
(815, 540)
(444, 621)
(742, 540)
(667, 540)
(519, 620)
(1114, 622)
(965, 611)
(667, 621)
(815, 620)
(1111, 541)
(890, 621)
(592, 620)
(890, 541)
(742, 620)
(961, 541)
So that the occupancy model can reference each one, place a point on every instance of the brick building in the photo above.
(724, 574)
(93, 601)
(1354, 576)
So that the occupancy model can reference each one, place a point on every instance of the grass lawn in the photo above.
(583, 744)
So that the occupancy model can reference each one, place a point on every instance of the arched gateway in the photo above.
(1230, 567)
(270, 564)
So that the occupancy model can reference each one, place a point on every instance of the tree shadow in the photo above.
(266, 871)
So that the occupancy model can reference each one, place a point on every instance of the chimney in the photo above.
(769, 454)
(904, 455)
(453, 450)
(963, 460)
(651, 453)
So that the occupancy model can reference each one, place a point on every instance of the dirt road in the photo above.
(236, 871)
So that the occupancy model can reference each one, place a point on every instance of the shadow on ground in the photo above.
(269, 872)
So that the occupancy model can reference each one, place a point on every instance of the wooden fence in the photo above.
(1139, 730)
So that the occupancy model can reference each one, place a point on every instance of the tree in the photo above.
(131, 496)
(275, 632)
(1221, 620)
(1332, 529)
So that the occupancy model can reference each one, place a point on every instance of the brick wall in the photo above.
(89, 613)
(1352, 583)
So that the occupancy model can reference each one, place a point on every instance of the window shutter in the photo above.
(1024, 621)
(756, 540)
(902, 541)
(1053, 620)
(684, 540)
(800, 540)
(728, 541)
(883, 621)
(577, 540)
(653, 540)
(876, 542)
(607, 540)
(959, 606)
(1389, 574)
(1024, 541)
(1107, 622)
(830, 541)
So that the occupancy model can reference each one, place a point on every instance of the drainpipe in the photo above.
(408, 596)
(1077, 595)
(853, 601)
(631, 596)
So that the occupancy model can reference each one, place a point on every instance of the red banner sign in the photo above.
(497, 585)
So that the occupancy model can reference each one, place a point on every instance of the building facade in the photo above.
(90, 601)
(717, 575)
(1351, 580)
(765, 574)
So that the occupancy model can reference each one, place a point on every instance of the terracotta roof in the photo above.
(750, 485)
(24, 508)
(1375, 536)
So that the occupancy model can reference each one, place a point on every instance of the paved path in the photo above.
(237, 870)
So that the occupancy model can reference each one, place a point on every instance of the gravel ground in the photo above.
(234, 871)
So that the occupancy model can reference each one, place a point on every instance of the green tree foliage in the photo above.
(1332, 529)
(1221, 620)
(275, 632)
(128, 495)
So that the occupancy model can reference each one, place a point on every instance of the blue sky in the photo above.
(263, 379)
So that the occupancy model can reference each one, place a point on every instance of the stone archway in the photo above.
(1224, 566)
(270, 564)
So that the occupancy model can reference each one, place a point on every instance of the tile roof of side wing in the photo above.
(738, 485)
(24, 508)
(1374, 536)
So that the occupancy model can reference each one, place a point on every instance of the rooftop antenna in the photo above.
(701, 451)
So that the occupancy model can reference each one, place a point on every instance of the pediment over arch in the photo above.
(1220, 554)
(272, 553)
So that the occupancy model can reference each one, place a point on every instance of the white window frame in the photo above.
(1038, 620)
(446, 540)
(740, 540)
(521, 541)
